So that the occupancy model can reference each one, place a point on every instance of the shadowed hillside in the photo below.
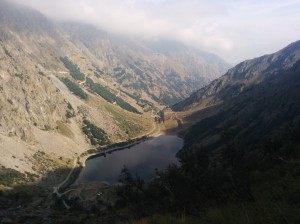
(241, 163)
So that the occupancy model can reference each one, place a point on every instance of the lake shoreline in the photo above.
(83, 157)
(155, 152)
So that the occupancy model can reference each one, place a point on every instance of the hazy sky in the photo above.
(233, 29)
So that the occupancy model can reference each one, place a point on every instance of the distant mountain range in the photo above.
(164, 70)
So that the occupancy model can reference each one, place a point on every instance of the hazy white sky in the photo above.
(233, 29)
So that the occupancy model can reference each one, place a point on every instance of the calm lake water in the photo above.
(141, 159)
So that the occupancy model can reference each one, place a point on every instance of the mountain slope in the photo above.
(39, 113)
(165, 71)
(60, 81)
(239, 164)
(254, 101)
(245, 74)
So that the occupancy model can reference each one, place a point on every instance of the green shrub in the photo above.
(74, 70)
(108, 96)
(9, 177)
(74, 88)
(70, 111)
(95, 134)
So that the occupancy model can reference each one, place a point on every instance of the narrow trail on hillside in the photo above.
(154, 132)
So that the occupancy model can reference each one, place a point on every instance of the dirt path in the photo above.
(154, 132)
(56, 188)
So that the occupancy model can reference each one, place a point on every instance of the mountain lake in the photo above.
(141, 159)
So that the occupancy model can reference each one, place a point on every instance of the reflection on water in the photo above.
(141, 159)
